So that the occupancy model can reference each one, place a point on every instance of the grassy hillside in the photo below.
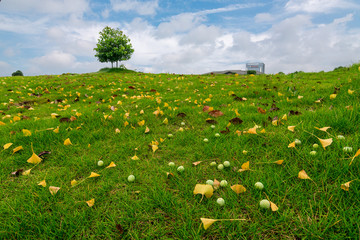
(54, 130)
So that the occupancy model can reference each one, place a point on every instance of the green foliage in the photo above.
(113, 46)
(115, 70)
(251, 72)
(17, 73)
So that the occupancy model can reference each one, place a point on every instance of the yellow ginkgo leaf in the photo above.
(291, 145)
(126, 123)
(27, 172)
(324, 129)
(325, 142)
(6, 146)
(34, 159)
(350, 91)
(67, 142)
(279, 162)
(117, 130)
(142, 112)
(42, 183)
(16, 118)
(245, 167)
(56, 130)
(141, 123)
(166, 121)
(53, 190)
(263, 131)
(207, 222)
(252, 130)
(78, 114)
(238, 188)
(73, 182)
(135, 157)
(356, 154)
(54, 115)
(291, 128)
(91, 202)
(333, 96)
(204, 189)
(93, 174)
(26, 132)
(147, 129)
(302, 175)
(2, 123)
(273, 207)
(346, 186)
(111, 165)
(17, 149)
(154, 148)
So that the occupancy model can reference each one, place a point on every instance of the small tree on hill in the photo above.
(17, 73)
(113, 46)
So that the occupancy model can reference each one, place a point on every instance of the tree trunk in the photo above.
(117, 64)
(112, 65)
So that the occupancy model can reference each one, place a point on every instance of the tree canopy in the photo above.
(113, 46)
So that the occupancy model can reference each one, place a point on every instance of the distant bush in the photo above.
(251, 72)
(121, 69)
(17, 73)
(281, 73)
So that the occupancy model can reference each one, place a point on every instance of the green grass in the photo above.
(161, 207)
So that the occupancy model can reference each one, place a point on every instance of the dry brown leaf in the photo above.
(216, 113)
(207, 222)
(216, 184)
(91, 202)
(260, 110)
(204, 189)
(302, 175)
(356, 154)
(53, 190)
(238, 188)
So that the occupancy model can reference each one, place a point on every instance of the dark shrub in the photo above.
(251, 72)
(17, 73)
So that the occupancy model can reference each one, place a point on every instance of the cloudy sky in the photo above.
(172, 36)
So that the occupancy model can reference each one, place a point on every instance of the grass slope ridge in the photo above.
(121, 117)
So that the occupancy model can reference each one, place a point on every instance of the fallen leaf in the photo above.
(119, 228)
(27, 172)
(324, 129)
(302, 175)
(141, 123)
(64, 120)
(216, 113)
(204, 189)
(356, 154)
(56, 130)
(207, 109)
(346, 186)
(252, 130)
(26, 132)
(238, 188)
(34, 159)
(211, 121)
(333, 96)
(291, 145)
(196, 163)
(236, 121)
(93, 174)
(273, 207)
(67, 142)
(135, 157)
(291, 128)
(166, 121)
(207, 222)
(42, 183)
(351, 91)
(216, 184)
(91, 202)
(73, 182)
(53, 190)
(6, 146)
(154, 148)
(17, 172)
(147, 129)
(325, 142)
(260, 110)
(245, 167)
(17, 149)
(279, 162)
(111, 165)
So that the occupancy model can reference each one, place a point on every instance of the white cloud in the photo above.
(142, 8)
(5, 69)
(264, 17)
(318, 6)
(45, 6)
